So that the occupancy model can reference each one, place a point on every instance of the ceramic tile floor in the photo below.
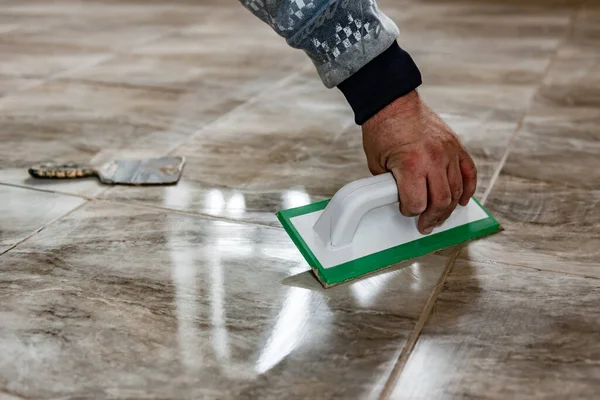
(194, 291)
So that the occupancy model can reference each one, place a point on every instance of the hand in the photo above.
(433, 170)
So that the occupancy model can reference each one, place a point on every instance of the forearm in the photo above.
(352, 45)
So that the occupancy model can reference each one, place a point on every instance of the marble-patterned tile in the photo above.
(559, 141)
(585, 34)
(120, 301)
(289, 147)
(10, 84)
(40, 60)
(100, 26)
(85, 187)
(201, 57)
(500, 332)
(69, 121)
(502, 30)
(547, 194)
(24, 211)
(547, 226)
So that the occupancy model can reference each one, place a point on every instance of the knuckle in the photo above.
(442, 201)
(470, 170)
(415, 207)
(436, 152)
(410, 163)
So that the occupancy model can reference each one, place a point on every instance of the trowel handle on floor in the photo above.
(339, 221)
(62, 171)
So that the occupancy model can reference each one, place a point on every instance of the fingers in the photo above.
(412, 192)
(440, 199)
(456, 188)
(469, 178)
(455, 181)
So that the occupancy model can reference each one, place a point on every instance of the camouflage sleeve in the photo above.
(343, 38)
(340, 36)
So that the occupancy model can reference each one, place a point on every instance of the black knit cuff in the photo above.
(388, 76)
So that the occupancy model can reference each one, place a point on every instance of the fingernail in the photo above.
(427, 231)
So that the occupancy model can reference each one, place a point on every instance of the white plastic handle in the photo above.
(340, 220)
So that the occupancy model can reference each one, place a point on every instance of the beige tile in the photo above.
(9, 84)
(559, 142)
(67, 121)
(118, 301)
(40, 60)
(500, 332)
(216, 51)
(23, 211)
(503, 31)
(103, 26)
(86, 187)
(548, 227)
(289, 147)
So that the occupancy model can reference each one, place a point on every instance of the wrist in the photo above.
(387, 78)
(402, 107)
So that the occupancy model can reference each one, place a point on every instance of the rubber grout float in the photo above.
(361, 230)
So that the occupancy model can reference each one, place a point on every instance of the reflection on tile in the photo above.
(548, 227)
(122, 301)
(266, 156)
(502, 332)
(24, 211)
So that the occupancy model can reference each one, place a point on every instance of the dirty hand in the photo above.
(433, 170)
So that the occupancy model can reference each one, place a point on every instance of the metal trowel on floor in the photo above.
(150, 171)
(361, 230)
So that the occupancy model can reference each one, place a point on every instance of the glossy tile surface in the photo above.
(499, 333)
(195, 291)
(508, 322)
(265, 156)
(178, 306)
(547, 194)
(23, 212)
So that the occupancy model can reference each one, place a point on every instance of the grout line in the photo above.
(189, 214)
(150, 206)
(494, 263)
(529, 108)
(402, 360)
(38, 230)
(58, 192)
(223, 117)
(112, 53)
(250, 101)
(416, 333)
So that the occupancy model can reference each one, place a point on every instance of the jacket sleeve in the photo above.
(352, 44)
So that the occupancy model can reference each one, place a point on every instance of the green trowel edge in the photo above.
(371, 263)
